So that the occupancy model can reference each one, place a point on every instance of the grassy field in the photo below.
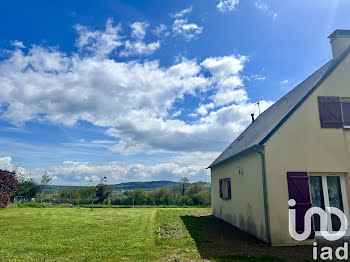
(108, 234)
(73, 234)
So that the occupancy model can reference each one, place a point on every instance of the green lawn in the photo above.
(105, 234)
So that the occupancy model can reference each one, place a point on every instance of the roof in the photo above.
(259, 131)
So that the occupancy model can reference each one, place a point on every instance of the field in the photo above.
(122, 234)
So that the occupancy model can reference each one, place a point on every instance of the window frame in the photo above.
(225, 183)
(344, 100)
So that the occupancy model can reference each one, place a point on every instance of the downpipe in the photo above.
(263, 174)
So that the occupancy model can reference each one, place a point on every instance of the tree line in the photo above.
(183, 193)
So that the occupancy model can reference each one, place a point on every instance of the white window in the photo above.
(328, 190)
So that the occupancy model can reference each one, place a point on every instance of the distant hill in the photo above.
(147, 186)
(143, 185)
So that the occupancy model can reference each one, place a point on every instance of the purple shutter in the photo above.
(298, 189)
(228, 188)
(346, 113)
(220, 183)
(330, 112)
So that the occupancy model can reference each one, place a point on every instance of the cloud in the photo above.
(139, 48)
(139, 30)
(259, 4)
(21, 173)
(18, 44)
(6, 163)
(78, 173)
(182, 13)
(185, 29)
(227, 5)
(203, 109)
(99, 43)
(161, 31)
(102, 44)
(284, 82)
(134, 101)
(256, 78)
(225, 76)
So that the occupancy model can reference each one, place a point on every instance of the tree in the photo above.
(102, 192)
(138, 196)
(28, 189)
(184, 182)
(8, 187)
(161, 196)
(194, 189)
(201, 198)
(45, 180)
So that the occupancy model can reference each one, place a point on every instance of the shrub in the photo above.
(8, 187)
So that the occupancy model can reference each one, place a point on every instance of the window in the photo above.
(334, 111)
(328, 190)
(330, 112)
(225, 188)
(345, 104)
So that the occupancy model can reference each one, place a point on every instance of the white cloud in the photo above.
(284, 82)
(6, 163)
(21, 173)
(185, 29)
(182, 13)
(256, 78)
(133, 100)
(259, 4)
(139, 30)
(18, 44)
(161, 31)
(116, 172)
(227, 5)
(203, 109)
(226, 78)
(99, 43)
(139, 48)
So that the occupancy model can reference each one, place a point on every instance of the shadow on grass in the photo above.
(219, 241)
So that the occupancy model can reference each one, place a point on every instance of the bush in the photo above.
(8, 187)
(30, 205)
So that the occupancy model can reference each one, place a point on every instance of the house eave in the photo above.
(236, 156)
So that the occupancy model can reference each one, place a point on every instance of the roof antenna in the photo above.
(258, 103)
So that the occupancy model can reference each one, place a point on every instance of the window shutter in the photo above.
(346, 113)
(330, 112)
(220, 183)
(298, 189)
(228, 188)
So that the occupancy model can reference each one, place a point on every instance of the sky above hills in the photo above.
(147, 90)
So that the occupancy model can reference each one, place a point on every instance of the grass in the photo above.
(78, 234)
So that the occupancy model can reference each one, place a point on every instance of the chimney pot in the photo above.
(252, 117)
(340, 41)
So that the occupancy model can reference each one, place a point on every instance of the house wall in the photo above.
(245, 209)
(300, 144)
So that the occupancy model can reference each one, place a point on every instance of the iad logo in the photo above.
(323, 222)
(341, 253)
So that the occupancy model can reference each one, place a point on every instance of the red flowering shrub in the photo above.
(8, 187)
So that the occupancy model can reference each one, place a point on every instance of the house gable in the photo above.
(301, 144)
(258, 132)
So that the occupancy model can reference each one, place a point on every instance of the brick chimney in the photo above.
(340, 41)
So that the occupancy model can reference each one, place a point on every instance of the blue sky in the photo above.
(147, 90)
